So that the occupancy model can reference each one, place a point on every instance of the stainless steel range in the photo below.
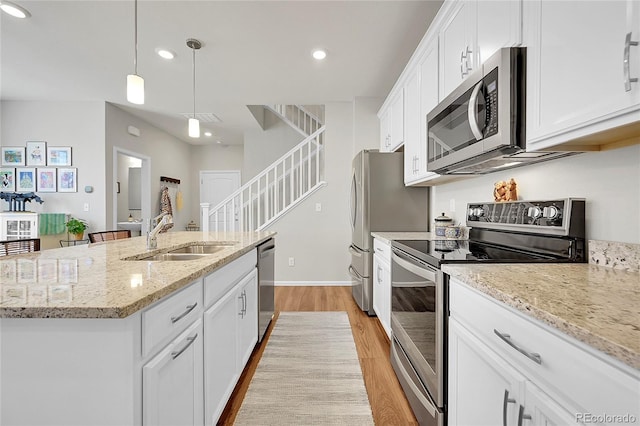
(508, 232)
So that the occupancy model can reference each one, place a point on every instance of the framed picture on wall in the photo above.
(13, 156)
(26, 179)
(68, 180)
(46, 179)
(7, 179)
(36, 153)
(59, 156)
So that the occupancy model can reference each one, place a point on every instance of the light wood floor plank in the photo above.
(388, 403)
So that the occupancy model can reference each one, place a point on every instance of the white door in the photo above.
(215, 186)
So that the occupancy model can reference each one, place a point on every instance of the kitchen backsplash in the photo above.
(624, 256)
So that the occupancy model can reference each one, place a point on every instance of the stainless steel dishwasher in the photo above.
(266, 270)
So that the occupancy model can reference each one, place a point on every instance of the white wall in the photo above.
(366, 126)
(79, 125)
(263, 147)
(319, 241)
(169, 157)
(608, 180)
(212, 157)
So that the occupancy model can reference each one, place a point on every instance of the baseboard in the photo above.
(313, 283)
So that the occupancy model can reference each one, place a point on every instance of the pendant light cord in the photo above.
(194, 82)
(135, 37)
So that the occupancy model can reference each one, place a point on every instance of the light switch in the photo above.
(292, 261)
(318, 207)
(86, 207)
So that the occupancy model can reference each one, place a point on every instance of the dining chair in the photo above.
(10, 247)
(119, 234)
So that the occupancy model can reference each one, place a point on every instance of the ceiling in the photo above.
(253, 53)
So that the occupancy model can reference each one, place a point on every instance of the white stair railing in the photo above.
(277, 189)
(297, 117)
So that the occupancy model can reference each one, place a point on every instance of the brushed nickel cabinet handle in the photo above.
(505, 407)
(522, 416)
(190, 341)
(625, 61)
(185, 313)
(535, 357)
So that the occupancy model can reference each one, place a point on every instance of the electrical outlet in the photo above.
(86, 207)
(318, 207)
(292, 261)
(452, 205)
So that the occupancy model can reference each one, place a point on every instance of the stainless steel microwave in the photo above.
(480, 127)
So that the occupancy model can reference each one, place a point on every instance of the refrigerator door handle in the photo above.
(353, 201)
(355, 251)
(354, 274)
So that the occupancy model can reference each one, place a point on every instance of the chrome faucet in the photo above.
(152, 236)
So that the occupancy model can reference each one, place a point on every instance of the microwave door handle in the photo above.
(471, 112)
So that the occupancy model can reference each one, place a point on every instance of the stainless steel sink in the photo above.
(202, 248)
(175, 257)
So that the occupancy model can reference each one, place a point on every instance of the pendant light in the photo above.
(194, 124)
(135, 83)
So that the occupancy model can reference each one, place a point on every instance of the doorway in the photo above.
(132, 188)
(215, 186)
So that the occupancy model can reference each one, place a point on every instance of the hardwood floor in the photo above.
(388, 403)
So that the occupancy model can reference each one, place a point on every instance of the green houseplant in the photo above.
(76, 227)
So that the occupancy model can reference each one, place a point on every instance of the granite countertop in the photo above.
(597, 305)
(388, 236)
(94, 281)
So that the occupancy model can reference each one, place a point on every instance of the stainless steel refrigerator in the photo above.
(379, 202)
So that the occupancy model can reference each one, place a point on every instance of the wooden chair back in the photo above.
(119, 234)
(10, 247)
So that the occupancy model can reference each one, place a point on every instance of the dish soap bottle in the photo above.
(130, 218)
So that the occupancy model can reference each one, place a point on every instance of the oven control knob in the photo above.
(550, 212)
(534, 212)
(478, 212)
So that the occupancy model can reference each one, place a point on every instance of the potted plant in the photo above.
(76, 227)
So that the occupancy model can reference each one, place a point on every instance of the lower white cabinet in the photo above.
(173, 382)
(231, 333)
(507, 368)
(382, 283)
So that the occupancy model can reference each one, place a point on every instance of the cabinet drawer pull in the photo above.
(625, 61)
(505, 402)
(535, 357)
(185, 313)
(190, 340)
(522, 416)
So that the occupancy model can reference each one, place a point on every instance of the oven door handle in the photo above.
(426, 273)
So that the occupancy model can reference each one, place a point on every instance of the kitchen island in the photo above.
(92, 335)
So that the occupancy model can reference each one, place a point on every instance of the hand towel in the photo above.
(165, 207)
(52, 223)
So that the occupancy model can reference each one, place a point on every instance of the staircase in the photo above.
(280, 187)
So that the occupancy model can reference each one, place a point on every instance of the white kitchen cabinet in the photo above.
(472, 31)
(481, 384)
(423, 98)
(542, 369)
(576, 70)
(392, 122)
(247, 302)
(230, 330)
(382, 283)
(18, 225)
(173, 382)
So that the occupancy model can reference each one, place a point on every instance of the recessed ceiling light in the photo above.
(14, 10)
(319, 54)
(208, 134)
(165, 53)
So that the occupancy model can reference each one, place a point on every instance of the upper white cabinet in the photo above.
(471, 32)
(392, 122)
(582, 62)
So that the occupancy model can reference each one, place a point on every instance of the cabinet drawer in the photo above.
(169, 317)
(382, 250)
(217, 283)
(569, 371)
